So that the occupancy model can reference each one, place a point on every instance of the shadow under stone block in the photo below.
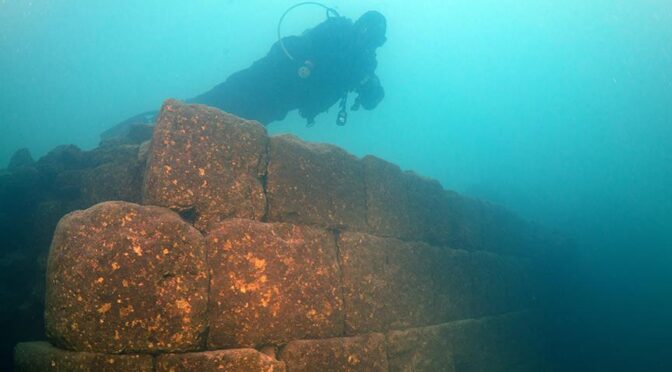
(126, 278)
(221, 360)
(208, 161)
(41, 356)
(272, 283)
(361, 353)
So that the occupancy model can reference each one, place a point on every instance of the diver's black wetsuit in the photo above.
(271, 87)
(340, 54)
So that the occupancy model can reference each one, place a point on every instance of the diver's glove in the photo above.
(370, 93)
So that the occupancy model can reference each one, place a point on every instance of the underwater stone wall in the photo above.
(252, 253)
(34, 196)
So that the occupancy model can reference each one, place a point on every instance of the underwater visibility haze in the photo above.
(561, 111)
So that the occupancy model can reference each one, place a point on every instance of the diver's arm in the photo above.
(369, 94)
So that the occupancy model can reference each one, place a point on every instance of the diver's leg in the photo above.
(122, 129)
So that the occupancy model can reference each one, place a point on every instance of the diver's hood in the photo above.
(371, 28)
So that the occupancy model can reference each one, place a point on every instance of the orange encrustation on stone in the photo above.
(208, 163)
(272, 283)
(111, 286)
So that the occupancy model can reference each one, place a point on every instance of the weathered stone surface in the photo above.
(21, 158)
(431, 208)
(491, 344)
(477, 284)
(272, 283)
(534, 366)
(113, 181)
(41, 356)
(62, 158)
(505, 233)
(410, 207)
(140, 133)
(361, 353)
(501, 284)
(407, 206)
(123, 277)
(489, 227)
(467, 227)
(315, 184)
(392, 284)
(515, 340)
(45, 218)
(221, 360)
(208, 162)
(389, 208)
(123, 153)
(423, 349)
(387, 283)
(453, 285)
(143, 152)
(33, 198)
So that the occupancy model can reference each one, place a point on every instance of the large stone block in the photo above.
(361, 353)
(272, 283)
(21, 158)
(315, 184)
(41, 357)
(494, 344)
(431, 209)
(455, 297)
(248, 360)
(501, 284)
(467, 226)
(422, 349)
(484, 226)
(410, 207)
(115, 174)
(407, 206)
(389, 209)
(112, 181)
(207, 163)
(387, 283)
(516, 340)
(505, 233)
(393, 284)
(126, 278)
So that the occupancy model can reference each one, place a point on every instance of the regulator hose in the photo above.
(331, 12)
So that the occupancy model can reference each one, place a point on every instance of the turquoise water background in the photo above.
(560, 110)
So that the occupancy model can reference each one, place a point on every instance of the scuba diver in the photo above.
(310, 72)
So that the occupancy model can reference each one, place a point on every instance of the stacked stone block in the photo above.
(253, 253)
